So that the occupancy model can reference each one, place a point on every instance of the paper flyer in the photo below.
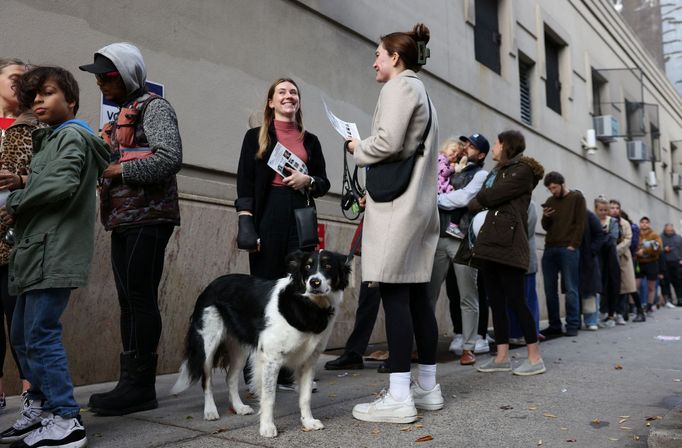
(281, 157)
(345, 129)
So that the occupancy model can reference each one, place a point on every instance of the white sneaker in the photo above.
(592, 327)
(386, 409)
(58, 432)
(620, 320)
(481, 346)
(457, 345)
(669, 305)
(428, 400)
(30, 418)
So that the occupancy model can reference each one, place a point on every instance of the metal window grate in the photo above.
(524, 90)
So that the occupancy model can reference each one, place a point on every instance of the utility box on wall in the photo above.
(606, 127)
(638, 151)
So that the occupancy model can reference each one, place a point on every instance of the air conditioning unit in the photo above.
(676, 181)
(606, 127)
(638, 151)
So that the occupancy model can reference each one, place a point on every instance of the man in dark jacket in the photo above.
(563, 217)
(672, 253)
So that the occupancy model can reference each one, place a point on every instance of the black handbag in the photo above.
(306, 226)
(385, 181)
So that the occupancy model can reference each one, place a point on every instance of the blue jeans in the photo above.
(555, 260)
(37, 339)
(532, 302)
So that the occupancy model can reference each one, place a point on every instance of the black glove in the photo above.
(247, 238)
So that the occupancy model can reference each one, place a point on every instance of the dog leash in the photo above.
(351, 190)
(355, 244)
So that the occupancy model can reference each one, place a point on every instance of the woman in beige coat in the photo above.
(628, 282)
(399, 237)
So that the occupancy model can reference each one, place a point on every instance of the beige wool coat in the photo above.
(628, 283)
(399, 238)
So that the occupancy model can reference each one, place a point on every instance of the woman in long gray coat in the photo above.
(400, 236)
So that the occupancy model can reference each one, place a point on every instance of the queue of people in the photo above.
(451, 220)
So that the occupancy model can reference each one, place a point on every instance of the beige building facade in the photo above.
(216, 59)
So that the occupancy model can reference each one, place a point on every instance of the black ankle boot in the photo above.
(347, 361)
(135, 394)
(97, 400)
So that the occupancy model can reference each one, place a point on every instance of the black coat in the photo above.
(254, 176)
(594, 239)
(503, 238)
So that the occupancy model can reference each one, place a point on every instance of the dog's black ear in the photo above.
(293, 261)
(344, 270)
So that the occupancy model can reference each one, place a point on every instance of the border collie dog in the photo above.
(273, 323)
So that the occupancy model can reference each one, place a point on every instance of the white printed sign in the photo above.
(109, 111)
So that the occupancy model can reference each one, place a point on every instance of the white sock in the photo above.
(427, 376)
(399, 385)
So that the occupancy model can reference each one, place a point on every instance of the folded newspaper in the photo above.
(281, 157)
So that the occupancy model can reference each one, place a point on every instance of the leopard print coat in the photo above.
(16, 149)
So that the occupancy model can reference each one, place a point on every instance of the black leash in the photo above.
(351, 190)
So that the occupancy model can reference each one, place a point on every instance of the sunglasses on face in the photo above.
(108, 76)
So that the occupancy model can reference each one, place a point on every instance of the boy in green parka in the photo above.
(53, 217)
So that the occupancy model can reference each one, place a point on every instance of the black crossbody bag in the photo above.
(306, 225)
(385, 181)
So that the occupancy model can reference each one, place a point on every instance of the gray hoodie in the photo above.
(128, 60)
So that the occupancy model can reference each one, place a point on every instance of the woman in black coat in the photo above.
(501, 248)
(266, 200)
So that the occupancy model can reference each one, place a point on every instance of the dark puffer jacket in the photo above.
(503, 238)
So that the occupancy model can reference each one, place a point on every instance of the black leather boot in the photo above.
(136, 394)
(99, 399)
(347, 361)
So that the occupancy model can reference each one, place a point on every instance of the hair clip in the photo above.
(422, 52)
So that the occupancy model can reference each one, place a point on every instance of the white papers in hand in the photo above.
(281, 157)
(345, 129)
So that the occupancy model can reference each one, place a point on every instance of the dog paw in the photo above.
(243, 409)
(268, 430)
(211, 415)
(312, 424)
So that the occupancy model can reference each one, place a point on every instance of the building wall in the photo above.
(217, 58)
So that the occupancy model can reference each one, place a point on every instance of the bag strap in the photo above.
(422, 143)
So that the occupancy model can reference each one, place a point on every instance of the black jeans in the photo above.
(673, 277)
(137, 257)
(505, 286)
(453, 297)
(409, 314)
(8, 303)
(365, 318)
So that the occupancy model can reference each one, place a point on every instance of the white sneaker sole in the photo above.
(429, 406)
(534, 372)
(77, 444)
(386, 419)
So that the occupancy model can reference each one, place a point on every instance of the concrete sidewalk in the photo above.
(598, 391)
